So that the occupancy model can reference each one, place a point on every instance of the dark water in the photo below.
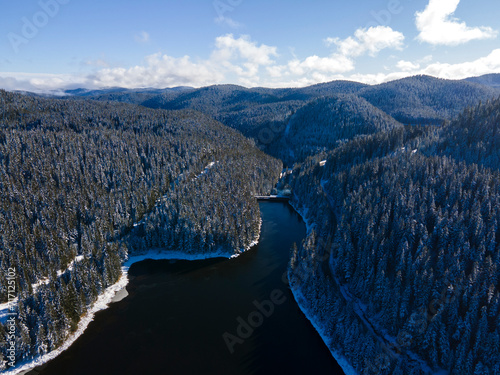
(175, 317)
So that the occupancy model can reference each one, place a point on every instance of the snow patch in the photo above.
(207, 168)
(77, 259)
(44, 281)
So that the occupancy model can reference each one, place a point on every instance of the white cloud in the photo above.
(376, 39)
(332, 64)
(373, 79)
(242, 57)
(365, 41)
(238, 58)
(142, 37)
(483, 65)
(229, 48)
(233, 60)
(248, 63)
(158, 71)
(437, 25)
(275, 71)
(407, 66)
(371, 41)
(40, 82)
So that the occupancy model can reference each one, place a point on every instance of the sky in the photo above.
(65, 44)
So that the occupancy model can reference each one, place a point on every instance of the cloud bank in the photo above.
(244, 61)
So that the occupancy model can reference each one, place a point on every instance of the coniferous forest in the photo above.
(406, 244)
(77, 176)
(399, 184)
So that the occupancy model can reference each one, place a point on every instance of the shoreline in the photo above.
(118, 292)
(339, 358)
(300, 300)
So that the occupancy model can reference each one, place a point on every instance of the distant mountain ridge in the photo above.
(492, 80)
(263, 114)
(326, 122)
(418, 99)
(425, 99)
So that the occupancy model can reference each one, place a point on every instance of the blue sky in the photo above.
(56, 44)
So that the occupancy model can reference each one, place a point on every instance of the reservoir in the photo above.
(219, 316)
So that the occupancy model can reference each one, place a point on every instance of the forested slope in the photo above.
(211, 212)
(474, 137)
(263, 114)
(426, 100)
(413, 100)
(324, 123)
(77, 175)
(401, 269)
(492, 80)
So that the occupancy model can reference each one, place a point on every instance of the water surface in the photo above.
(177, 312)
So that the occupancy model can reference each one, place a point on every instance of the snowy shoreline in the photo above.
(300, 300)
(339, 358)
(117, 292)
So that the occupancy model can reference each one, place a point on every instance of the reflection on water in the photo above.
(206, 317)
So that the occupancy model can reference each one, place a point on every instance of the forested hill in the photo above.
(213, 99)
(263, 114)
(474, 137)
(76, 176)
(418, 99)
(492, 80)
(401, 268)
(228, 98)
(426, 100)
(413, 100)
(324, 123)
